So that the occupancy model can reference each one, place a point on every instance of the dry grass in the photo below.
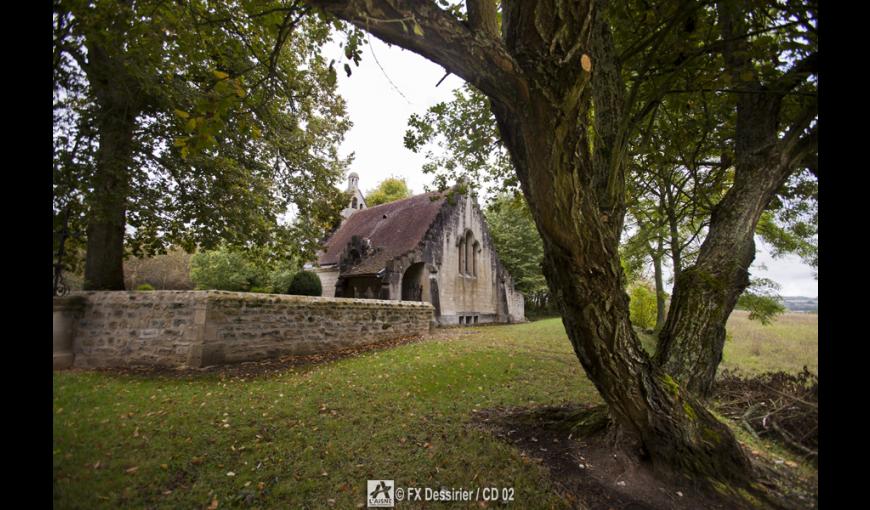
(788, 344)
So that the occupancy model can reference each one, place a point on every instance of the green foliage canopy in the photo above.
(236, 120)
(642, 305)
(388, 190)
(761, 300)
(225, 269)
(519, 246)
(461, 142)
(234, 269)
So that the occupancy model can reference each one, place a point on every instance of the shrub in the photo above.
(225, 269)
(145, 286)
(281, 279)
(305, 283)
(642, 305)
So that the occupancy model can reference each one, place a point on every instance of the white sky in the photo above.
(380, 112)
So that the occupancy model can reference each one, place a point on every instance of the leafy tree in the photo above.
(468, 145)
(192, 123)
(519, 247)
(305, 283)
(762, 301)
(226, 269)
(642, 305)
(775, 140)
(388, 190)
(570, 88)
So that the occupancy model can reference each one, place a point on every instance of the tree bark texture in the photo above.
(117, 98)
(656, 255)
(540, 96)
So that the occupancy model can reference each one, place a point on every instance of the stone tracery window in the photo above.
(468, 249)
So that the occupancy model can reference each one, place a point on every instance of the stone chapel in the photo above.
(432, 247)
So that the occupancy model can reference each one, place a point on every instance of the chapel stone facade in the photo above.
(432, 247)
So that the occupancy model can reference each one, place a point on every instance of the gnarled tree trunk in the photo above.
(541, 77)
(690, 345)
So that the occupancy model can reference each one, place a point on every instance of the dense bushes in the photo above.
(225, 269)
(305, 283)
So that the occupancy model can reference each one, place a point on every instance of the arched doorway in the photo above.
(413, 283)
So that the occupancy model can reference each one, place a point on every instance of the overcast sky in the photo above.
(380, 102)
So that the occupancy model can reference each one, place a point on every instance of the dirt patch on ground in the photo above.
(250, 369)
(588, 471)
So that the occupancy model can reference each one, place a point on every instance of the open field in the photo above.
(789, 343)
(311, 437)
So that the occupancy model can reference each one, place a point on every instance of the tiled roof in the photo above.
(393, 229)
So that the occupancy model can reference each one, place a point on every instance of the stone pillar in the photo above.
(67, 311)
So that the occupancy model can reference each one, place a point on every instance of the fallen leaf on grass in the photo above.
(213, 505)
(132, 469)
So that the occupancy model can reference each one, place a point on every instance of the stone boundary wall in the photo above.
(201, 328)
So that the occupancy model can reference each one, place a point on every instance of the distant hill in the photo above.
(801, 303)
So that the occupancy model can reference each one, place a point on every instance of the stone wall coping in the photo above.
(223, 295)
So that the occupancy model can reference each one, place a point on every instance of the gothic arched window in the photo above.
(462, 256)
(469, 252)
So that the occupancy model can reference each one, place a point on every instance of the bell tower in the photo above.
(357, 201)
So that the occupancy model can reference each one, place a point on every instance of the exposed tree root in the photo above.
(599, 466)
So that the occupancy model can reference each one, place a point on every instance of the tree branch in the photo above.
(424, 28)
(797, 74)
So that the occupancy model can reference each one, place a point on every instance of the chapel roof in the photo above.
(393, 230)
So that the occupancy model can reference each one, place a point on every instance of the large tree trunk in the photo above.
(117, 99)
(104, 261)
(691, 343)
(582, 268)
(541, 80)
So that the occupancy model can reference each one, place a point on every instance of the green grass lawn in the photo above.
(310, 438)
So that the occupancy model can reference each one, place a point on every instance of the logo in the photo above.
(379, 494)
